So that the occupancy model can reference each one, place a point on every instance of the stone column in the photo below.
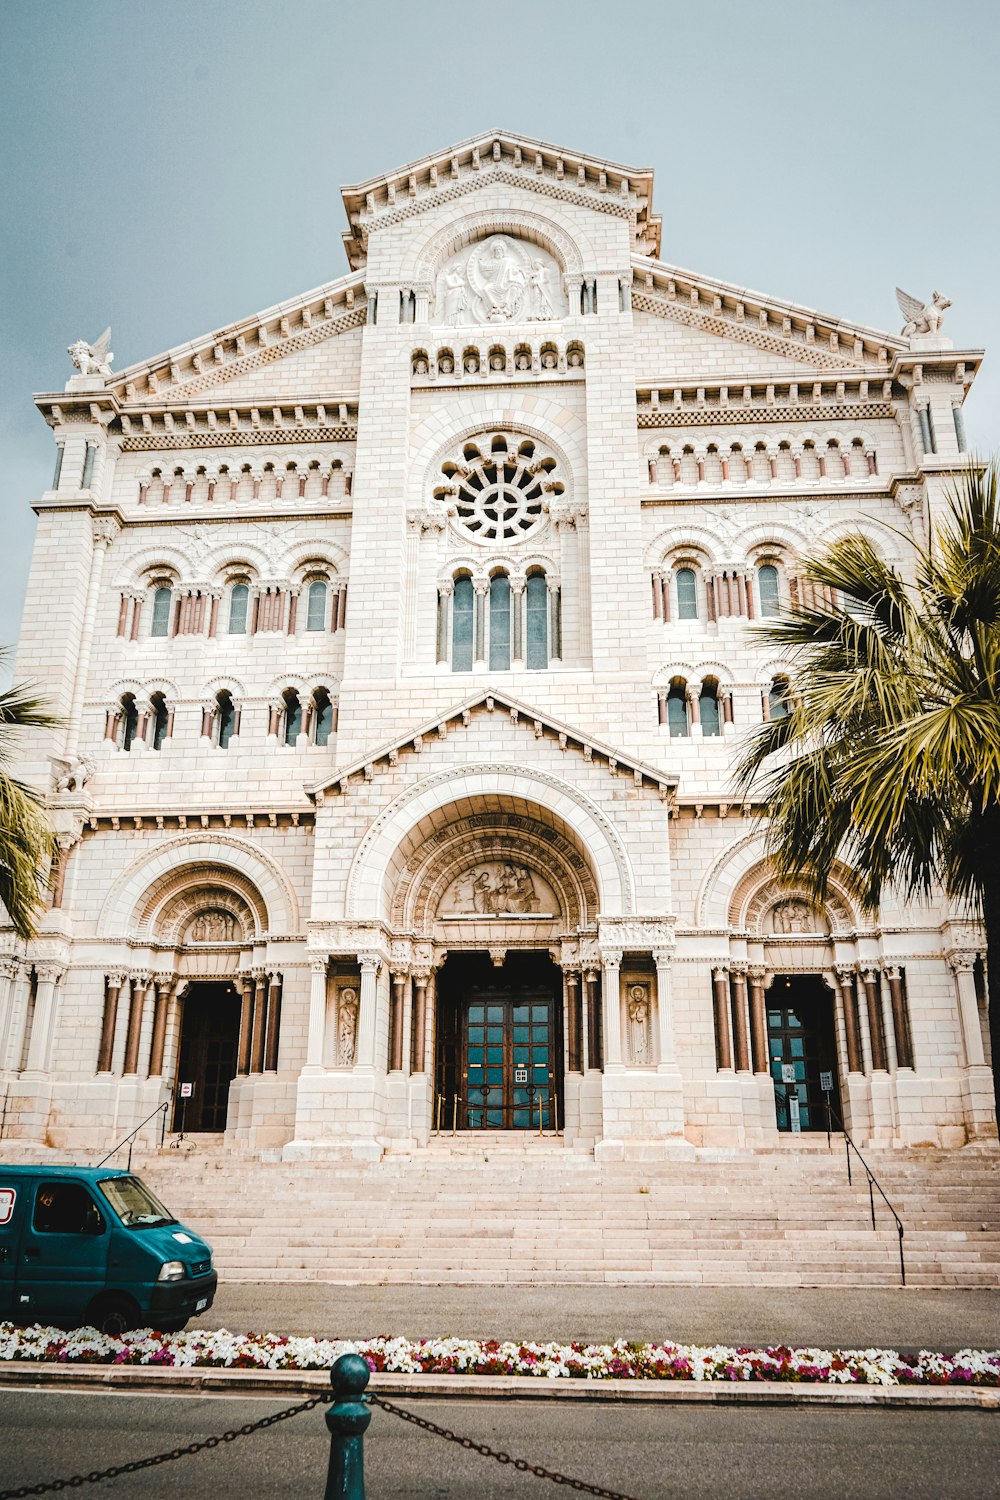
(137, 1003)
(246, 1025)
(574, 1021)
(852, 1029)
(720, 996)
(873, 1002)
(369, 964)
(20, 995)
(47, 976)
(317, 1014)
(480, 646)
(163, 983)
(518, 584)
(666, 1048)
(106, 1046)
(9, 966)
(104, 529)
(738, 1000)
(272, 1037)
(611, 965)
(397, 1004)
(418, 1039)
(962, 965)
(758, 1022)
(900, 1017)
(259, 1020)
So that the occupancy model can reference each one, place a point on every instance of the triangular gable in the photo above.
(490, 700)
(500, 155)
(770, 324)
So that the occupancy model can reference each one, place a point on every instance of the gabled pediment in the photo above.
(493, 701)
(516, 160)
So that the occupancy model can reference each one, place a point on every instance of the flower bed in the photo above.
(454, 1356)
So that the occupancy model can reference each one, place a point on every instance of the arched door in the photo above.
(210, 1029)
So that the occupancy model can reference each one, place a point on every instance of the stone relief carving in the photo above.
(347, 1027)
(921, 317)
(636, 936)
(95, 358)
(796, 917)
(638, 1023)
(498, 889)
(499, 280)
(212, 927)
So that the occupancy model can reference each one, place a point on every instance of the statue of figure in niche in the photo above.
(456, 298)
(212, 927)
(638, 1022)
(347, 1027)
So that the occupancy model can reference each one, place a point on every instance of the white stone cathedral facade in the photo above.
(402, 636)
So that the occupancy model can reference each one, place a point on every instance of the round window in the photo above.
(501, 495)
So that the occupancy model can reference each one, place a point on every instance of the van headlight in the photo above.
(171, 1270)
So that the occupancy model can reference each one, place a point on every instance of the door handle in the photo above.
(32, 1254)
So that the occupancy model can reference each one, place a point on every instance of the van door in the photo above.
(64, 1252)
(12, 1196)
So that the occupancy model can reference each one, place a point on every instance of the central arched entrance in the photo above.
(802, 1051)
(499, 1063)
(207, 1061)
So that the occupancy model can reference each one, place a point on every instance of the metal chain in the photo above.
(521, 1464)
(97, 1475)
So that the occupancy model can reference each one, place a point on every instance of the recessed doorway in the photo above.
(210, 1029)
(499, 1062)
(802, 1049)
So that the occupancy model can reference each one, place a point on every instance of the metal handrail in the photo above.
(873, 1183)
(129, 1140)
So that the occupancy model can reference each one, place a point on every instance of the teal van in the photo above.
(89, 1246)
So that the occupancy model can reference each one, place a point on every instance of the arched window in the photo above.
(293, 716)
(161, 719)
(128, 717)
(162, 599)
(767, 590)
(322, 717)
(225, 718)
(708, 708)
(239, 601)
(462, 614)
(677, 718)
(537, 653)
(499, 622)
(316, 605)
(687, 594)
(777, 699)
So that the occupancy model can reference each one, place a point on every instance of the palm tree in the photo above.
(889, 754)
(27, 844)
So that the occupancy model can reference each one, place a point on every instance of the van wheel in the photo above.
(113, 1315)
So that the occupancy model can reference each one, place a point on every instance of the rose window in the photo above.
(501, 495)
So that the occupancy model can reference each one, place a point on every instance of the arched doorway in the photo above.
(209, 1043)
(802, 1051)
(499, 1042)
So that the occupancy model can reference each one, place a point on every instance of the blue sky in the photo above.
(174, 166)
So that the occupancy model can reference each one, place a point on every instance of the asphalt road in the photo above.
(846, 1318)
(651, 1453)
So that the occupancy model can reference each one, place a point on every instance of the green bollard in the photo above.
(347, 1420)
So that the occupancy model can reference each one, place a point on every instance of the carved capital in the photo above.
(104, 529)
(611, 958)
(51, 972)
(663, 957)
(720, 971)
(369, 963)
(10, 966)
(961, 961)
(319, 963)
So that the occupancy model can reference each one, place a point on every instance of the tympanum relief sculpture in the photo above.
(498, 889)
(796, 918)
(212, 927)
(500, 280)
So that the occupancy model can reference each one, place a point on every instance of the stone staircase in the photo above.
(530, 1212)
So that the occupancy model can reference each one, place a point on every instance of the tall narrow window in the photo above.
(767, 589)
(239, 601)
(537, 595)
(316, 608)
(161, 719)
(462, 607)
(88, 466)
(129, 716)
(293, 716)
(500, 622)
(677, 719)
(162, 599)
(60, 450)
(777, 699)
(687, 594)
(225, 717)
(323, 716)
(708, 709)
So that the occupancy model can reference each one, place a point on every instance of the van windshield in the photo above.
(134, 1204)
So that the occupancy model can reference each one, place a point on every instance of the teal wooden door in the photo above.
(509, 1064)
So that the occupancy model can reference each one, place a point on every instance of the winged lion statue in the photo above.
(921, 317)
(95, 358)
